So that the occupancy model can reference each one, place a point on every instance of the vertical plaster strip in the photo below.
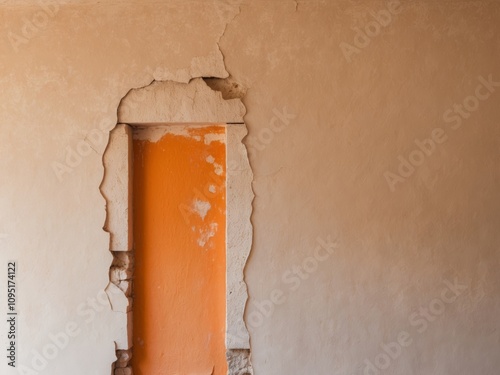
(116, 188)
(239, 235)
(238, 244)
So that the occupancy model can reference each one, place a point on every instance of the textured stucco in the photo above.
(116, 188)
(239, 235)
(174, 102)
(323, 129)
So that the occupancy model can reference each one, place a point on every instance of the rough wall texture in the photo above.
(373, 138)
(175, 102)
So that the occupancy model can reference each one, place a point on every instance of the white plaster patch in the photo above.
(210, 159)
(116, 188)
(201, 208)
(209, 138)
(218, 169)
(212, 189)
(155, 133)
(206, 234)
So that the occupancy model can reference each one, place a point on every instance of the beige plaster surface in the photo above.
(322, 134)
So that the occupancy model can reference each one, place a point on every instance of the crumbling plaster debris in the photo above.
(238, 361)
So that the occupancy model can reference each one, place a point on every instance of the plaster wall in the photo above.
(354, 247)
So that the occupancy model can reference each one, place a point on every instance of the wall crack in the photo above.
(224, 32)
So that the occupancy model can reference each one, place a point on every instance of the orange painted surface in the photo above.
(179, 289)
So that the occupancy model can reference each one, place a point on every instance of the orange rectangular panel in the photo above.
(179, 240)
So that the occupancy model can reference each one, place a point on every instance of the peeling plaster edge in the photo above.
(116, 189)
(239, 362)
(121, 270)
(239, 233)
(184, 75)
(252, 227)
(239, 359)
(183, 103)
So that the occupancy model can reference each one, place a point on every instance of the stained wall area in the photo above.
(373, 138)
